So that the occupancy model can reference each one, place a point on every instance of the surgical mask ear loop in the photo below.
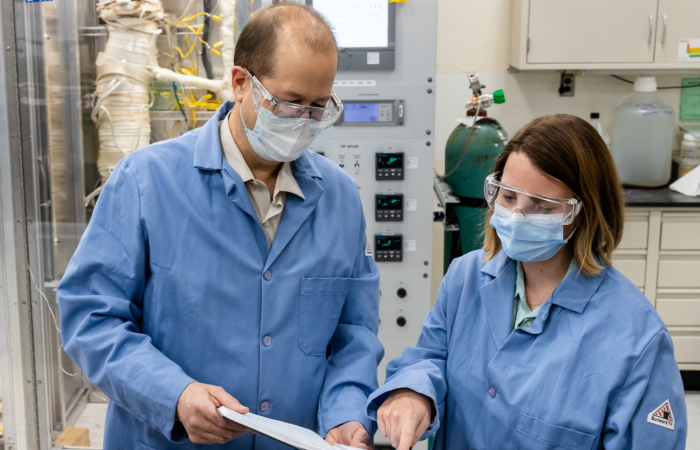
(240, 108)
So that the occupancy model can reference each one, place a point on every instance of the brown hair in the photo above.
(571, 152)
(255, 49)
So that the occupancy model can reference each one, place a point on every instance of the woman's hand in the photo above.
(403, 417)
(352, 434)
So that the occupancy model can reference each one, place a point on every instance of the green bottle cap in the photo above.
(499, 97)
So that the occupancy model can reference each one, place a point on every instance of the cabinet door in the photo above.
(678, 21)
(592, 31)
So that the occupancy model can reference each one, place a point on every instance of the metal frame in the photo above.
(35, 402)
(16, 335)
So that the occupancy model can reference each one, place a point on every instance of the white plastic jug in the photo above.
(642, 138)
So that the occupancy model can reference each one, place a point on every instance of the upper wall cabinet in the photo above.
(605, 34)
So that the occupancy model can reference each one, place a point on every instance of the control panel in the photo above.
(385, 141)
(388, 247)
(389, 166)
(372, 113)
(389, 208)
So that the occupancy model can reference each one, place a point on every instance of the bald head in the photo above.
(282, 27)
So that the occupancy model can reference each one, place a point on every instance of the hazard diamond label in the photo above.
(662, 416)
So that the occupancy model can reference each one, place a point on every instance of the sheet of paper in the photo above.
(287, 433)
(690, 100)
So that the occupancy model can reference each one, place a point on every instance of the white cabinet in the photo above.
(592, 31)
(602, 34)
(677, 20)
(660, 254)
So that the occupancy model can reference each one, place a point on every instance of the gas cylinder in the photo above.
(468, 161)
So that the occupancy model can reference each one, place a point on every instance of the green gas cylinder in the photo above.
(466, 169)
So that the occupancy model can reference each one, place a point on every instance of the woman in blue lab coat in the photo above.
(536, 342)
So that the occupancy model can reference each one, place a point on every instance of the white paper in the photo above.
(287, 433)
(372, 58)
(688, 184)
(689, 50)
(409, 245)
(412, 162)
(410, 204)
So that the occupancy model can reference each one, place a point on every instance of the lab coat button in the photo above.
(264, 405)
(492, 392)
(267, 275)
(267, 340)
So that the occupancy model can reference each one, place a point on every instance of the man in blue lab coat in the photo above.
(228, 266)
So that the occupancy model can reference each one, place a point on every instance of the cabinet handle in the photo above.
(651, 28)
(663, 34)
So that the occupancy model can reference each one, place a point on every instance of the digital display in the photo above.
(388, 202)
(388, 242)
(361, 112)
(390, 160)
(357, 23)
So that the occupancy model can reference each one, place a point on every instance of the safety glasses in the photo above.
(324, 116)
(519, 204)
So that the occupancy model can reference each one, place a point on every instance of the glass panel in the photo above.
(90, 96)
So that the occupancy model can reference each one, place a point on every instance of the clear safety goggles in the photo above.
(519, 204)
(325, 116)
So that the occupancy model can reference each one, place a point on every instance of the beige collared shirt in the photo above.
(269, 212)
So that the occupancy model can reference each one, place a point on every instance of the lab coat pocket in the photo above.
(534, 434)
(320, 304)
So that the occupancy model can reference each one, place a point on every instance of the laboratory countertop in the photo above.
(658, 198)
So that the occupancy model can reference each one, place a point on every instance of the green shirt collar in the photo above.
(522, 316)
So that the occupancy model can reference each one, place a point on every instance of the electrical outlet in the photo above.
(567, 85)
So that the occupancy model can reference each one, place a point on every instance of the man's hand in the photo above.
(196, 409)
(352, 434)
(403, 417)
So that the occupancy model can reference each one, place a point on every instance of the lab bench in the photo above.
(660, 254)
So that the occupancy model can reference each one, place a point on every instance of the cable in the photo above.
(55, 324)
(179, 105)
(466, 144)
(208, 7)
(658, 88)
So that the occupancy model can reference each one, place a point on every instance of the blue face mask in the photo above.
(527, 241)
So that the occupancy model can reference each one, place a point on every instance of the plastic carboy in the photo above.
(642, 137)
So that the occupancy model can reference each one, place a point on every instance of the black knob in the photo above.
(401, 321)
(401, 292)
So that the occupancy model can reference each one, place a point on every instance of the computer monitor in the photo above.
(365, 31)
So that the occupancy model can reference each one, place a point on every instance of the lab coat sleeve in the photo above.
(421, 368)
(654, 379)
(100, 300)
(351, 369)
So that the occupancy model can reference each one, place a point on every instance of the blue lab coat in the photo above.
(595, 364)
(173, 283)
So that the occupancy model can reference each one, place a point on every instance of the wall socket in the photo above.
(567, 85)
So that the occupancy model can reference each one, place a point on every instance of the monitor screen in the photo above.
(388, 242)
(389, 202)
(357, 23)
(390, 160)
(361, 112)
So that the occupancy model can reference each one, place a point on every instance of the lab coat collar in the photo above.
(497, 296)
(576, 290)
(573, 294)
(207, 149)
